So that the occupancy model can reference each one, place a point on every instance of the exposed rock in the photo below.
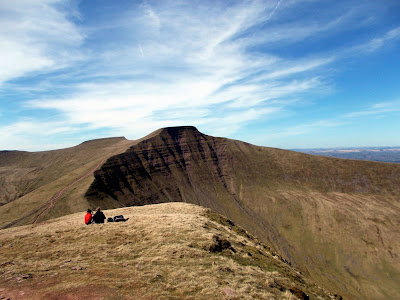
(299, 293)
(220, 244)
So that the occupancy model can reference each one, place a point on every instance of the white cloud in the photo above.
(288, 68)
(35, 36)
(372, 45)
(171, 63)
(378, 109)
(302, 129)
(377, 43)
(189, 58)
(33, 135)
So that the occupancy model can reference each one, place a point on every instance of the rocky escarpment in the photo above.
(182, 164)
(304, 206)
(179, 164)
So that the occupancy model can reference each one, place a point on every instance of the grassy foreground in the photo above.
(164, 251)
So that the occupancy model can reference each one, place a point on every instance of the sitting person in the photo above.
(99, 217)
(88, 217)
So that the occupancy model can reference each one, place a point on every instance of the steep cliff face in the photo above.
(179, 164)
(336, 220)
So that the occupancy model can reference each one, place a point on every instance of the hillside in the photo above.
(31, 170)
(335, 220)
(29, 180)
(37, 186)
(164, 251)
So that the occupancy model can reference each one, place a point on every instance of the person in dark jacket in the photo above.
(99, 217)
(88, 217)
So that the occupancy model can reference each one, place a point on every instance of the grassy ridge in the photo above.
(162, 252)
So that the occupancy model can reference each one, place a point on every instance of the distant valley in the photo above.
(383, 154)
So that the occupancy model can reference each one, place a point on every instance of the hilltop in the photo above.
(164, 251)
(335, 220)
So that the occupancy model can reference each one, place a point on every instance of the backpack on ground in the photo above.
(120, 218)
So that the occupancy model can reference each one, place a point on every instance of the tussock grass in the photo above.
(162, 252)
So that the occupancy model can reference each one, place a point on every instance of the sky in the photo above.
(277, 73)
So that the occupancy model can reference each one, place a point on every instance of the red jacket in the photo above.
(88, 218)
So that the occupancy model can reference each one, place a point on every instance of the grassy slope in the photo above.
(335, 219)
(162, 252)
(36, 177)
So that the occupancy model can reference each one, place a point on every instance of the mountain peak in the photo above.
(178, 130)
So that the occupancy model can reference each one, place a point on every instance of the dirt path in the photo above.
(50, 203)
(57, 195)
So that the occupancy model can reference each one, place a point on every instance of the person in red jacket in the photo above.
(88, 217)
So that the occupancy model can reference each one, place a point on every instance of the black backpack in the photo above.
(120, 218)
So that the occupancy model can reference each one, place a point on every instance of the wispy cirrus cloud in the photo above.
(179, 63)
(165, 63)
(306, 128)
(378, 42)
(36, 36)
(377, 109)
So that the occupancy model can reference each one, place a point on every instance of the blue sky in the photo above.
(279, 73)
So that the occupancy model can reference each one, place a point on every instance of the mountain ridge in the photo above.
(303, 206)
(250, 184)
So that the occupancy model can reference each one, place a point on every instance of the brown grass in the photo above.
(335, 220)
(162, 252)
(30, 180)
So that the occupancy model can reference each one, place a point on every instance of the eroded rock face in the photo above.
(333, 219)
(180, 164)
